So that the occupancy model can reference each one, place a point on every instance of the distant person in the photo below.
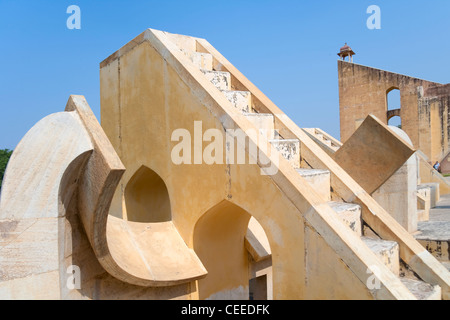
(437, 166)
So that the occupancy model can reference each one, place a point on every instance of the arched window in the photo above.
(393, 106)
(223, 239)
(393, 99)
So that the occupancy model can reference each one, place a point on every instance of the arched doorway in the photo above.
(220, 243)
(146, 197)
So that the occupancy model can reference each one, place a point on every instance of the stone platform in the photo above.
(435, 233)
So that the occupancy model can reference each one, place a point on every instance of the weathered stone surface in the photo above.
(42, 286)
(387, 251)
(40, 181)
(264, 122)
(289, 149)
(349, 213)
(201, 60)
(220, 79)
(36, 168)
(30, 248)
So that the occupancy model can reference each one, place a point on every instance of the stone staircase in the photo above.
(387, 251)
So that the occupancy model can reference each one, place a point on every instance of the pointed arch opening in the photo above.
(235, 251)
(147, 198)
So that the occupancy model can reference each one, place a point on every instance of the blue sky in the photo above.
(287, 48)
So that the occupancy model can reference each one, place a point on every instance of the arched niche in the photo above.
(147, 198)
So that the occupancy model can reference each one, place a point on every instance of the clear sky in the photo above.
(287, 48)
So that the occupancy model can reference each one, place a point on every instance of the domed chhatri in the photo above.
(346, 51)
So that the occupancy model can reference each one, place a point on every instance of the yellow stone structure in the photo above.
(149, 206)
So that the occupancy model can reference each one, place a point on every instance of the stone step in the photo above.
(447, 265)
(387, 251)
(350, 213)
(319, 181)
(264, 122)
(203, 61)
(241, 100)
(289, 149)
(221, 79)
(422, 290)
(319, 136)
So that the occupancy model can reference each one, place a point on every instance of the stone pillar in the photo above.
(398, 194)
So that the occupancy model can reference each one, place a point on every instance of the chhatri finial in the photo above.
(346, 51)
